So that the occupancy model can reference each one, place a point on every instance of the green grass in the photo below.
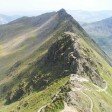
(56, 106)
(102, 101)
(37, 99)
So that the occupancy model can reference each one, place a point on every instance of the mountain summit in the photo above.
(60, 68)
(63, 14)
(62, 11)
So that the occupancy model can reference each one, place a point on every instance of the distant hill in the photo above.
(52, 65)
(101, 31)
(101, 28)
(89, 16)
(80, 15)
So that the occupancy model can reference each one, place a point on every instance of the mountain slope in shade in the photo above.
(101, 32)
(68, 71)
(101, 28)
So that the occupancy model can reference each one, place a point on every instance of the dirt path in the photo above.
(68, 108)
(106, 87)
(42, 108)
(91, 108)
(75, 78)
(102, 90)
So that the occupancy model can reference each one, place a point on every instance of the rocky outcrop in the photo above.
(64, 53)
(67, 53)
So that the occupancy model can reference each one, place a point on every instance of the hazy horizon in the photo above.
(15, 7)
(39, 12)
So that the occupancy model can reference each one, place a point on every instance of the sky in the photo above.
(22, 6)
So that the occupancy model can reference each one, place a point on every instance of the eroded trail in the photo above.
(76, 80)
(41, 108)
(91, 102)
(68, 108)
(77, 86)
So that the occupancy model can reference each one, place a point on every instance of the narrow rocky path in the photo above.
(77, 79)
(42, 108)
(91, 107)
(68, 108)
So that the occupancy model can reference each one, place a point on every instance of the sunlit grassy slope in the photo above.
(37, 99)
(46, 82)
(28, 103)
(21, 37)
(102, 99)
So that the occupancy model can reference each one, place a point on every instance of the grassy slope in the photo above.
(101, 99)
(37, 99)
(32, 102)
(94, 94)
(41, 97)
(25, 66)
(20, 38)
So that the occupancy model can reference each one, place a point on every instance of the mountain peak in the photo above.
(62, 11)
(63, 14)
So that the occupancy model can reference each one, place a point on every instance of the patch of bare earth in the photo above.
(68, 108)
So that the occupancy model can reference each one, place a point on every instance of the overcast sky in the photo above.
(17, 6)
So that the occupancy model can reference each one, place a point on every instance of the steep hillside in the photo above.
(101, 32)
(101, 28)
(21, 37)
(22, 25)
(67, 72)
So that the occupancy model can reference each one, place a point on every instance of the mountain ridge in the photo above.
(66, 69)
